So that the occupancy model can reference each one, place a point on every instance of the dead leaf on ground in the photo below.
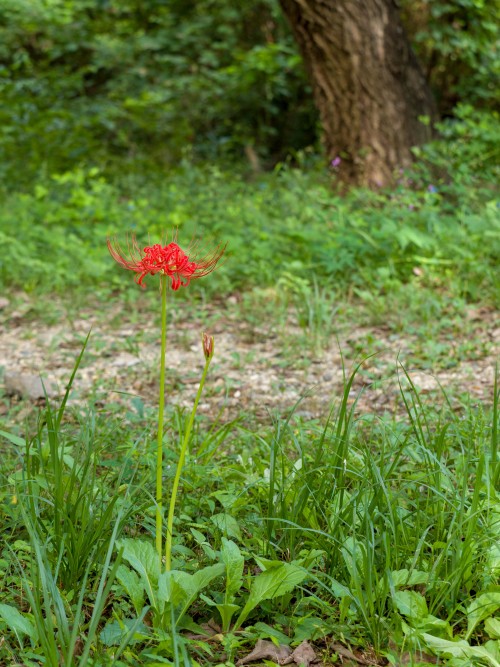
(266, 650)
(211, 631)
(303, 655)
(347, 653)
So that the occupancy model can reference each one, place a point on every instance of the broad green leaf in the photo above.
(271, 584)
(17, 622)
(459, 649)
(407, 235)
(133, 585)
(170, 589)
(227, 611)
(406, 578)
(192, 584)
(492, 627)
(144, 559)
(411, 604)
(267, 563)
(114, 632)
(265, 631)
(435, 626)
(493, 559)
(227, 524)
(234, 562)
(480, 608)
(493, 648)
(339, 590)
(309, 628)
(199, 537)
(14, 439)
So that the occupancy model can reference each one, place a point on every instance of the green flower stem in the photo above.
(182, 456)
(159, 447)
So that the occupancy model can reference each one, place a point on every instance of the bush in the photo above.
(128, 81)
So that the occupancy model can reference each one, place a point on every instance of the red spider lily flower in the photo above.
(169, 260)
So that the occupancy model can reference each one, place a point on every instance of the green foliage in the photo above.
(128, 84)
(466, 155)
(148, 80)
(53, 625)
(286, 229)
(381, 531)
(457, 43)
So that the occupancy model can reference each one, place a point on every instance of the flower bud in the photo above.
(208, 345)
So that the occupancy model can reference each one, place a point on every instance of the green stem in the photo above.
(182, 456)
(159, 447)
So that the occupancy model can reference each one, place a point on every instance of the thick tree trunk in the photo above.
(367, 84)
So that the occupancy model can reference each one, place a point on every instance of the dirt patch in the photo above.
(259, 369)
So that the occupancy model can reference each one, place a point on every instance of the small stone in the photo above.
(28, 386)
(125, 360)
(424, 382)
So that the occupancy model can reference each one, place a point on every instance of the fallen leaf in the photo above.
(266, 650)
(303, 655)
(347, 653)
(211, 632)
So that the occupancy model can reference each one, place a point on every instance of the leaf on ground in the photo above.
(303, 655)
(266, 650)
(344, 652)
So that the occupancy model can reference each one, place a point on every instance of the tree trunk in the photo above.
(367, 85)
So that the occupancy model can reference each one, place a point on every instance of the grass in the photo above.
(382, 532)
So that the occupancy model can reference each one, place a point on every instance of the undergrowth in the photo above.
(285, 228)
(380, 532)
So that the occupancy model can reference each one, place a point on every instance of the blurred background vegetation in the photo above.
(122, 115)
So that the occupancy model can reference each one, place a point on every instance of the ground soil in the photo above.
(259, 369)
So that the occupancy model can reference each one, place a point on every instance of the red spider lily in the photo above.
(208, 345)
(169, 260)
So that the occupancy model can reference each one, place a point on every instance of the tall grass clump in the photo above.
(406, 515)
(68, 511)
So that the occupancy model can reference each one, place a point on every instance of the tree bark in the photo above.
(367, 84)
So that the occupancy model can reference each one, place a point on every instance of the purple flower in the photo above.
(336, 162)
(432, 188)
